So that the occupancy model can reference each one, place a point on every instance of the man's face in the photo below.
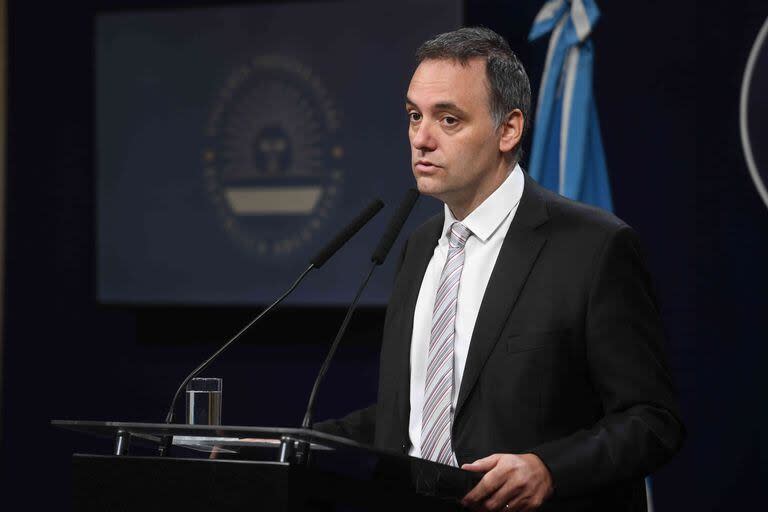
(454, 144)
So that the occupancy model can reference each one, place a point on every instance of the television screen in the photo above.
(234, 142)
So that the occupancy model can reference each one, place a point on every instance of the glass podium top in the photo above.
(202, 436)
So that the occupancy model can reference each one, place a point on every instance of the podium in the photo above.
(230, 468)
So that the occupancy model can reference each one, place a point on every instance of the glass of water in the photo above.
(204, 401)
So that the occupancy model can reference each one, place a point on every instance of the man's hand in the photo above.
(511, 483)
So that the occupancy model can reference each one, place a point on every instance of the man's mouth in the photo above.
(425, 166)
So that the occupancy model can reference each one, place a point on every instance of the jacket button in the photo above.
(404, 447)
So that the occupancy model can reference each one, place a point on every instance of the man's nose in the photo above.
(423, 139)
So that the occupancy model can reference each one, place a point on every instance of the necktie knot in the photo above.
(459, 235)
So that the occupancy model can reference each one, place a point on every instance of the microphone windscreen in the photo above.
(395, 225)
(348, 232)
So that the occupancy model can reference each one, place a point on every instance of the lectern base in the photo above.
(143, 484)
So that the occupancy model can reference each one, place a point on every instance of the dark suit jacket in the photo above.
(566, 359)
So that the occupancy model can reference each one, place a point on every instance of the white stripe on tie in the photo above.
(436, 417)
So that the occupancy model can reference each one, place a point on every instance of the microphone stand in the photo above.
(207, 362)
(306, 422)
(299, 451)
(166, 442)
(318, 261)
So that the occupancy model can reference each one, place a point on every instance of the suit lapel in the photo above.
(517, 256)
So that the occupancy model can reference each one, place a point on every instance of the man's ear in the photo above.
(511, 131)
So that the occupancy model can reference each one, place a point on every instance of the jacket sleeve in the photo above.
(641, 427)
(358, 425)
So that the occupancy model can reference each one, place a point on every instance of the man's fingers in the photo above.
(478, 493)
(484, 464)
(503, 495)
(523, 503)
(489, 484)
(526, 499)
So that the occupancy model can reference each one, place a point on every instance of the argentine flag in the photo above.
(567, 153)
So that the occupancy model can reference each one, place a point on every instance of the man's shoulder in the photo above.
(423, 238)
(430, 228)
(567, 215)
(563, 215)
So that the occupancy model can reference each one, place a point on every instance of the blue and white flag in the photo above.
(567, 154)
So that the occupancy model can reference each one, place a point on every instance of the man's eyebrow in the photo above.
(442, 105)
(447, 105)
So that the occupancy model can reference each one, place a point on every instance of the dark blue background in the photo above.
(667, 78)
(159, 72)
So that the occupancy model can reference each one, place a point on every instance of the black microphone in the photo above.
(334, 245)
(395, 225)
(379, 255)
(320, 258)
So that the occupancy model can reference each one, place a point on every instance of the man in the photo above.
(522, 339)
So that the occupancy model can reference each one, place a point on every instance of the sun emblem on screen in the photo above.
(273, 165)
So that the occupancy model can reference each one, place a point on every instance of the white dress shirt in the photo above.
(489, 224)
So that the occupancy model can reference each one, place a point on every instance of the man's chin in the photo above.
(428, 187)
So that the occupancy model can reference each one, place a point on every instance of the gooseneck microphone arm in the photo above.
(207, 362)
(378, 257)
(395, 226)
(317, 261)
(307, 422)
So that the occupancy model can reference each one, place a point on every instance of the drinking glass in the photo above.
(204, 401)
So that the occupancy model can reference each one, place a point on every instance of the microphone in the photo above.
(395, 225)
(334, 245)
(320, 258)
(378, 257)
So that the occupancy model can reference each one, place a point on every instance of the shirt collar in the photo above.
(484, 220)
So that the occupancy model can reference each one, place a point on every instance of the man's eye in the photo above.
(414, 116)
(450, 121)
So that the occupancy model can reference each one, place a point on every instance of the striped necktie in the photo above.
(437, 417)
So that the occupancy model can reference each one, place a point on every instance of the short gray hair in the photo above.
(508, 82)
